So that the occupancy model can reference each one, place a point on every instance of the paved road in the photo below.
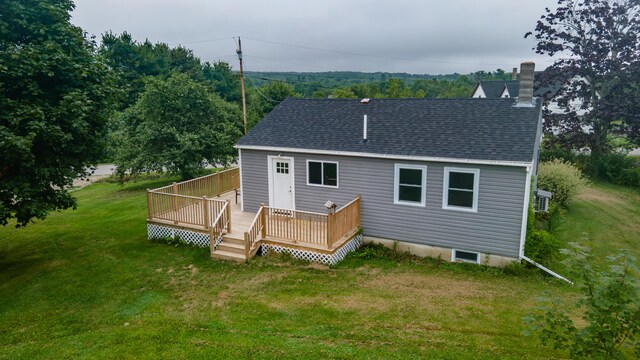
(105, 169)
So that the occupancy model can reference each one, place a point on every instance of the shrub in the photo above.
(552, 219)
(373, 251)
(541, 246)
(610, 316)
(563, 179)
(616, 168)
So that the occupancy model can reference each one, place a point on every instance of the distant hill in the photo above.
(339, 78)
(323, 84)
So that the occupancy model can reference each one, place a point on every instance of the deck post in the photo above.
(212, 241)
(247, 246)
(329, 231)
(175, 201)
(228, 210)
(149, 205)
(358, 213)
(205, 211)
(263, 220)
(218, 185)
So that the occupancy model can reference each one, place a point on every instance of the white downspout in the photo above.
(523, 233)
(525, 211)
(543, 268)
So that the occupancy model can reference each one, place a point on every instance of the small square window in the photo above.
(282, 167)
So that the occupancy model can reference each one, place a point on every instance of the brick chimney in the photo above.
(525, 94)
(514, 74)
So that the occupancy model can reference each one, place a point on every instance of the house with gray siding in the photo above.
(449, 178)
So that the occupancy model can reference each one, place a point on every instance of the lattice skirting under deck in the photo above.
(327, 259)
(190, 237)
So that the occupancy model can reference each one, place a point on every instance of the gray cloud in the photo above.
(401, 35)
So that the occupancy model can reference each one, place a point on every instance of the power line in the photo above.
(366, 55)
(258, 90)
(202, 41)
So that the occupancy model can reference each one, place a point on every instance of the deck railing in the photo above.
(220, 225)
(212, 185)
(189, 203)
(322, 230)
(257, 232)
(344, 222)
(186, 210)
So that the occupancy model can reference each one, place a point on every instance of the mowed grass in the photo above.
(87, 283)
(606, 218)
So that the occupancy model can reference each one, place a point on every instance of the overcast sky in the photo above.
(322, 35)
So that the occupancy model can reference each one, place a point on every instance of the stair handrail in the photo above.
(219, 224)
(256, 231)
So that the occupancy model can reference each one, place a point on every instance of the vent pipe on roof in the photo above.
(514, 74)
(364, 129)
(525, 94)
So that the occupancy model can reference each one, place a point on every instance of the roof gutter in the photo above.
(388, 156)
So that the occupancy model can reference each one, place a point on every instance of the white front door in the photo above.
(281, 183)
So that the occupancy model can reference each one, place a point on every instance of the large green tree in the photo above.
(177, 125)
(55, 96)
(596, 48)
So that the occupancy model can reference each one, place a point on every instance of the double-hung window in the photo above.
(322, 173)
(461, 189)
(410, 185)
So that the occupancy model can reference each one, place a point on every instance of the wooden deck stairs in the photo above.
(232, 248)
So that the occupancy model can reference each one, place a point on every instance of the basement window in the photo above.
(465, 256)
(460, 191)
(322, 173)
(410, 184)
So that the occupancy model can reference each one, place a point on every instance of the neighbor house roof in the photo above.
(476, 129)
(495, 88)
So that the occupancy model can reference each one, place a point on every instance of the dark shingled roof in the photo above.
(494, 88)
(479, 129)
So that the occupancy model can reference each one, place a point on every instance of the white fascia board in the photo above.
(388, 156)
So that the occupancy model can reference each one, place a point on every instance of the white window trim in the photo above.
(454, 253)
(396, 184)
(445, 189)
(322, 173)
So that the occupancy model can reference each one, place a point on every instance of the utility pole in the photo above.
(244, 101)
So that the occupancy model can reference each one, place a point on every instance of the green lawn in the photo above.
(607, 218)
(87, 283)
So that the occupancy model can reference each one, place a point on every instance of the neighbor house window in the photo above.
(465, 256)
(322, 173)
(410, 184)
(460, 189)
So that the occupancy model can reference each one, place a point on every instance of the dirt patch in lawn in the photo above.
(597, 195)
(407, 289)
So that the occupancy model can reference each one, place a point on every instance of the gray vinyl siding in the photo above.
(494, 229)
